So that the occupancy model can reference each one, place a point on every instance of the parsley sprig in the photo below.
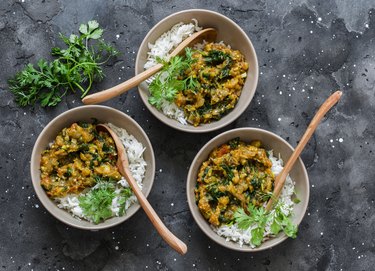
(96, 204)
(258, 218)
(170, 80)
(75, 67)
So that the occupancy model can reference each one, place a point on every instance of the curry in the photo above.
(76, 159)
(235, 174)
(219, 74)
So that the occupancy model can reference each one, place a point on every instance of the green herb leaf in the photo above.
(290, 229)
(244, 221)
(296, 200)
(92, 25)
(257, 236)
(234, 142)
(73, 38)
(83, 28)
(275, 227)
(96, 34)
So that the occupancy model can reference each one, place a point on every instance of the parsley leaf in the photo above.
(75, 67)
(275, 227)
(243, 220)
(290, 229)
(257, 235)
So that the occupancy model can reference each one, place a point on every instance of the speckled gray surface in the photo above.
(306, 50)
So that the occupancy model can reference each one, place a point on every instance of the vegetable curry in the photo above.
(216, 77)
(234, 175)
(78, 156)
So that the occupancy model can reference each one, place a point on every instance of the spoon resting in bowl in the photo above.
(123, 166)
(207, 34)
(280, 179)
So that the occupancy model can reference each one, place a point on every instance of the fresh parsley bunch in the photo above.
(258, 219)
(75, 67)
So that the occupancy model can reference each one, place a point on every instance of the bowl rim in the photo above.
(189, 128)
(35, 164)
(197, 215)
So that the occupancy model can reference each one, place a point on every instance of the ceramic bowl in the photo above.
(228, 32)
(86, 113)
(270, 141)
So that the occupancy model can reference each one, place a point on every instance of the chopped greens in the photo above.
(234, 142)
(75, 67)
(215, 57)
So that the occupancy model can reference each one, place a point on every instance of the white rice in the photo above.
(240, 236)
(162, 48)
(137, 166)
(168, 41)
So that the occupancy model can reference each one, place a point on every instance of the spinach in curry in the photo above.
(234, 175)
(216, 77)
(77, 158)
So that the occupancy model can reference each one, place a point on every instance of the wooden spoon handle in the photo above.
(166, 234)
(208, 34)
(280, 179)
(109, 93)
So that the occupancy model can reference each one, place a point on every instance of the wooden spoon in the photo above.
(280, 179)
(208, 34)
(123, 166)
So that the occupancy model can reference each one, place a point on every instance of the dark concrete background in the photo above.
(306, 50)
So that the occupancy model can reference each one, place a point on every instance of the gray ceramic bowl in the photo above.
(85, 113)
(231, 34)
(271, 142)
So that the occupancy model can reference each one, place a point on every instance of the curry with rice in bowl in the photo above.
(200, 86)
(233, 187)
(78, 172)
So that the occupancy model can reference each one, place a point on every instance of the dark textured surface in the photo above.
(306, 50)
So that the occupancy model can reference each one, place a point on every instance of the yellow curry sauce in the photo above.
(234, 175)
(221, 73)
(78, 155)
